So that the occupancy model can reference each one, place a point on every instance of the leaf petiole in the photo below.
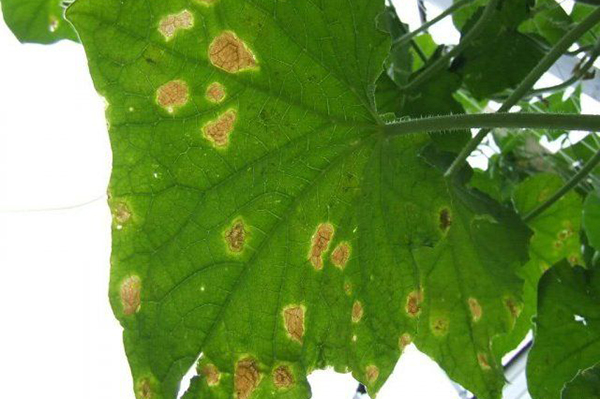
(496, 120)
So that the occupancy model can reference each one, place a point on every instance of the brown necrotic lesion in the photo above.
(282, 377)
(246, 379)
(130, 293)
(320, 244)
(293, 319)
(218, 131)
(171, 24)
(231, 54)
(215, 92)
(172, 95)
(235, 236)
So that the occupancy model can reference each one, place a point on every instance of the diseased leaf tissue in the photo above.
(265, 225)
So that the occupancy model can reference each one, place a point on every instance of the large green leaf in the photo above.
(567, 336)
(38, 21)
(556, 236)
(549, 20)
(263, 221)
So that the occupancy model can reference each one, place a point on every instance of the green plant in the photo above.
(281, 205)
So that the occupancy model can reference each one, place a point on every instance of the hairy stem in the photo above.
(496, 120)
(454, 7)
(572, 183)
(527, 83)
(441, 62)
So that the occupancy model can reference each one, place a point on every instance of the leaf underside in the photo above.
(263, 221)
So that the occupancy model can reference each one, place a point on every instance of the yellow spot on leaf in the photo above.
(211, 373)
(404, 340)
(475, 308)
(207, 2)
(246, 378)
(172, 95)
(144, 389)
(439, 326)
(171, 24)
(320, 244)
(413, 303)
(231, 54)
(130, 295)
(357, 312)
(218, 131)
(121, 213)
(293, 319)
(348, 288)
(235, 236)
(282, 377)
(372, 373)
(483, 361)
(514, 308)
(340, 255)
(215, 92)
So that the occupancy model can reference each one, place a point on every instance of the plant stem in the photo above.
(527, 83)
(441, 62)
(454, 7)
(573, 182)
(496, 120)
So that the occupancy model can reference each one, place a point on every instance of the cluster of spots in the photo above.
(372, 374)
(235, 236)
(171, 24)
(319, 244)
(130, 294)
(340, 255)
(212, 374)
(282, 377)
(172, 95)
(215, 92)
(404, 340)
(445, 219)
(230, 54)
(348, 288)
(475, 308)
(247, 378)
(483, 361)
(144, 389)
(413, 303)
(357, 312)
(293, 319)
(563, 235)
(121, 214)
(218, 130)
(439, 326)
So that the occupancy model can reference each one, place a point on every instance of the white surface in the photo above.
(58, 337)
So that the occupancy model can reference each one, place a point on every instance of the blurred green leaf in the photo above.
(567, 334)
